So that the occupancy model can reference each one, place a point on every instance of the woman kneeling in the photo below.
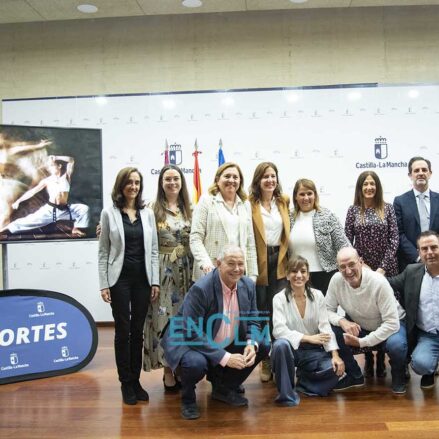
(304, 339)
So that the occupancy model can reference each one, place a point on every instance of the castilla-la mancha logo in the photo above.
(175, 154)
(381, 148)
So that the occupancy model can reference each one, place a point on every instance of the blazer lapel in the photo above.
(434, 205)
(218, 291)
(285, 220)
(257, 220)
(242, 215)
(145, 224)
(416, 289)
(412, 204)
(118, 220)
(220, 214)
(244, 306)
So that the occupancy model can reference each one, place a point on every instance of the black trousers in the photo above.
(130, 298)
(320, 280)
(265, 293)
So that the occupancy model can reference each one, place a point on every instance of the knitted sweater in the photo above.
(372, 305)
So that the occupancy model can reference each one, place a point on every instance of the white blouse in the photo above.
(302, 240)
(231, 218)
(273, 224)
(288, 323)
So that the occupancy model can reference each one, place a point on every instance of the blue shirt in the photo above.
(428, 308)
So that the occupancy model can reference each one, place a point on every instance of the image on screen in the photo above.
(50, 183)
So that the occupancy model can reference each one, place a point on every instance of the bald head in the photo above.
(346, 252)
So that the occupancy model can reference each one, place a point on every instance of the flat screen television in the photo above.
(50, 183)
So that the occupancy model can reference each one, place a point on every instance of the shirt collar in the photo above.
(417, 193)
(226, 290)
(427, 272)
(218, 197)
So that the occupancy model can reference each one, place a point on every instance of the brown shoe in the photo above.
(265, 371)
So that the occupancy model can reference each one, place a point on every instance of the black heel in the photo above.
(172, 389)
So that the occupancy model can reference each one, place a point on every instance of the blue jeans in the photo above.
(426, 353)
(314, 370)
(395, 345)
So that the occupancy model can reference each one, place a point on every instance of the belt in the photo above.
(271, 250)
(176, 252)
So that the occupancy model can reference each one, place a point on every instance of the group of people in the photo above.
(243, 279)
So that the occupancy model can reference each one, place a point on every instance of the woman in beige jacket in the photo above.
(271, 225)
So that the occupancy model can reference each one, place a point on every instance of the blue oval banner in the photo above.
(43, 334)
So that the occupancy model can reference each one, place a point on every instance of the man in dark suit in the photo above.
(418, 286)
(216, 333)
(416, 211)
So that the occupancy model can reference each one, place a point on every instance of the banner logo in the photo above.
(65, 352)
(14, 359)
(40, 307)
(381, 149)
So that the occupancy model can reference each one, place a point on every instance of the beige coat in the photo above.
(209, 235)
(261, 244)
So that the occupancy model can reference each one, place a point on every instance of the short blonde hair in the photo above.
(214, 189)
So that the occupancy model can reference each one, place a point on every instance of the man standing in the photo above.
(216, 333)
(418, 286)
(416, 211)
(372, 317)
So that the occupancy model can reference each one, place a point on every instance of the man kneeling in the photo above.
(372, 317)
(216, 333)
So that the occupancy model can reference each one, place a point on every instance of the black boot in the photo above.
(140, 392)
(381, 365)
(368, 364)
(128, 395)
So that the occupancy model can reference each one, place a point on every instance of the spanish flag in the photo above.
(197, 177)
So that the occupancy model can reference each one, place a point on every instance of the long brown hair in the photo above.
(255, 187)
(121, 181)
(214, 189)
(307, 184)
(378, 199)
(182, 201)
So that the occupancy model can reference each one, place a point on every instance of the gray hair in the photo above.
(229, 249)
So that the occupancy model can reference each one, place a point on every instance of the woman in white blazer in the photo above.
(128, 275)
(223, 217)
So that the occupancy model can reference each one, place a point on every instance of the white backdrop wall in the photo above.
(326, 134)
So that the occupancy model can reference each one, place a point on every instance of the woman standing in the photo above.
(316, 234)
(128, 275)
(372, 229)
(173, 214)
(271, 226)
(304, 339)
(223, 217)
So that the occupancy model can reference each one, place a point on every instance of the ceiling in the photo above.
(21, 11)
